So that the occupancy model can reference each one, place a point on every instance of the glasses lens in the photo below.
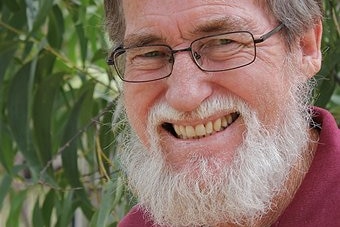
(224, 52)
(140, 64)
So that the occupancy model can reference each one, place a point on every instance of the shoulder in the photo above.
(136, 218)
(317, 202)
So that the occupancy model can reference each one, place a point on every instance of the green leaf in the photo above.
(325, 89)
(326, 77)
(45, 64)
(66, 211)
(82, 41)
(42, 115)
(7, 50)
(69, 153)
(28, 51)
(37, 218)
(56, 27)
(99, 55)
(111, 195)
(4, 188)
(70, 137)
(7, 151)
(16, 19)
(12, 5)
(18, 112)
(17, 199)
(106, 137)
(48, 206)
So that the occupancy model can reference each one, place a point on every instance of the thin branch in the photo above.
(93, 121)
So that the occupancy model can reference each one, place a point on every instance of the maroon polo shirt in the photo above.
(317, 201)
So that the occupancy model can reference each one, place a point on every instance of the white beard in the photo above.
(238, 193)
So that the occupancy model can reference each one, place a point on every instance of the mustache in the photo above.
(162, 111)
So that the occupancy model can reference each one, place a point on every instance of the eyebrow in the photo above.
(221, 24)
(141, 39)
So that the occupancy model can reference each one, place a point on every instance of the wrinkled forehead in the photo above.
(140, 7)
(187, 16)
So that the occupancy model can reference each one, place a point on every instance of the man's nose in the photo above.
(187, 86)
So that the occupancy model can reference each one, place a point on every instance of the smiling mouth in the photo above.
(201, 130)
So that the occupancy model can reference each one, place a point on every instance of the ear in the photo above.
(310, 45)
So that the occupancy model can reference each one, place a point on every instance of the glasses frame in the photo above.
(120, 50)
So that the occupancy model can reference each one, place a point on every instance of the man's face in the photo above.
(235, 151)
(261, 85)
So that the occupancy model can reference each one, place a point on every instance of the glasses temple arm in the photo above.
(267, 35)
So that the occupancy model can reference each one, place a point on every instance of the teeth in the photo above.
(190, 131)
(209, 128)
(177, 130)
(218, 125)
(202, 130)
(183, 131)
(229, 119)
(224, 122)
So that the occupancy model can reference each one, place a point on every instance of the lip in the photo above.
(223, 144)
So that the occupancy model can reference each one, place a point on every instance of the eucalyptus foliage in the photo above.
(57, 100)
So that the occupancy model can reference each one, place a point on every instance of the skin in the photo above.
(261, 85)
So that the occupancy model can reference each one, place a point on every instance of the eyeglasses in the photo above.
(213, 53)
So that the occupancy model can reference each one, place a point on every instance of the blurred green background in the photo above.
(57, 99)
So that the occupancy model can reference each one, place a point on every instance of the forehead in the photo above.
(186, 18)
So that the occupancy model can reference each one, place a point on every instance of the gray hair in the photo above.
(297, 16)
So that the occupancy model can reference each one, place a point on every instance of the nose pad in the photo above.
(172, 59)
(197, 56)
(188, 86)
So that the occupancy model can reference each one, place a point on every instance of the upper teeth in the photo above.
(202, 130)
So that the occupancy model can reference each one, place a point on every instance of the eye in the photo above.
(152, 54)
(217, 43)
(224, 41)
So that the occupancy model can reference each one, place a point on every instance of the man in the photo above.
(217, 96)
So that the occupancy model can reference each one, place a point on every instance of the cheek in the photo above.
(263, 90)
(137, 115)
(268, 98)
(138, 99)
